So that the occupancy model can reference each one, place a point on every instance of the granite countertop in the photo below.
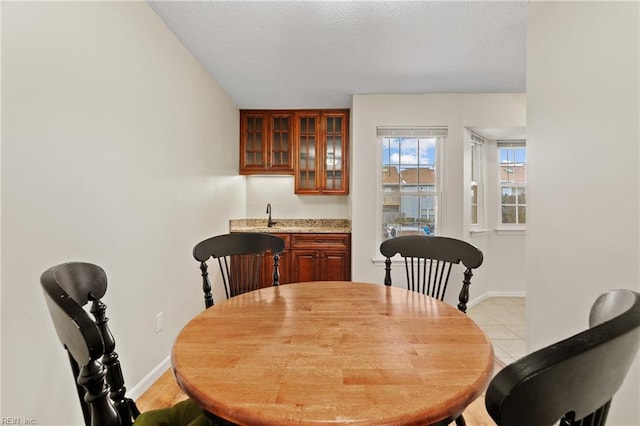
(291, 225)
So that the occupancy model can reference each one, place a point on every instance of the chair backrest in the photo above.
(428, 261)
(240, 257)
(575, 379)
(89, 342)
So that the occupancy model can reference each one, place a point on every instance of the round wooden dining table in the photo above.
(333, 352)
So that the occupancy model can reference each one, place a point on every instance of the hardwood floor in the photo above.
(165, 393)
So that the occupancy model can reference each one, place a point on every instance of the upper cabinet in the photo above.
(321, 152)
(266, 142)
(311, 145)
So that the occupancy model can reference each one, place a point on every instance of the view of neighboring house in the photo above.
(405, 213)
(513, 178)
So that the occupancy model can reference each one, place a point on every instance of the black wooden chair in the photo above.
(91, 348)
(575, 379)
(428, 261)
(241, 259)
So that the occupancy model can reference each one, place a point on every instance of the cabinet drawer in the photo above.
(285, 237)
(312, 241)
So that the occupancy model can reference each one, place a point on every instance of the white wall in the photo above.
(458, 112)
(118, 149)
(583, 188)
(505, 260)
(279, 191)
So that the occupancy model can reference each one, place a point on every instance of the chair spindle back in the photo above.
(240, 259)
(428, 263)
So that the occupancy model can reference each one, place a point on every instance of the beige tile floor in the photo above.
(502, 319)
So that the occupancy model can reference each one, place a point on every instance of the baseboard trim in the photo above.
(489, 294)
(506, 294)
(138, 389)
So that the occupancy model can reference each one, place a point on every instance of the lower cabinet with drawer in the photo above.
(320, 257)
(315, 257)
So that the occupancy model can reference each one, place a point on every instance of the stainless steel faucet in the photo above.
(270, 222)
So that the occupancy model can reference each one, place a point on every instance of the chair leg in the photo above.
(460, 421)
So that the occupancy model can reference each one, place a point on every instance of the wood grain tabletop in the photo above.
(332, 352)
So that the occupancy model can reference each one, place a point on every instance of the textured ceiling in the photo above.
(317, 54)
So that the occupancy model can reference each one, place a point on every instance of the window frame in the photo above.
(477, 177)
(439, 133)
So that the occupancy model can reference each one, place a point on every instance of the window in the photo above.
(477, 181)
(410, 187)
(512, 163)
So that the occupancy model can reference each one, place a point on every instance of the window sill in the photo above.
(379, 261)
(511, 231)
(478, 231)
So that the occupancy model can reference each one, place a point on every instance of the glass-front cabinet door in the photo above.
(321, 147)
(334, 137)
(307, 133)
(280, 148)
(266, 142)
(253, 141)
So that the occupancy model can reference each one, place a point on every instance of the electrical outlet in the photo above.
(159, 321)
